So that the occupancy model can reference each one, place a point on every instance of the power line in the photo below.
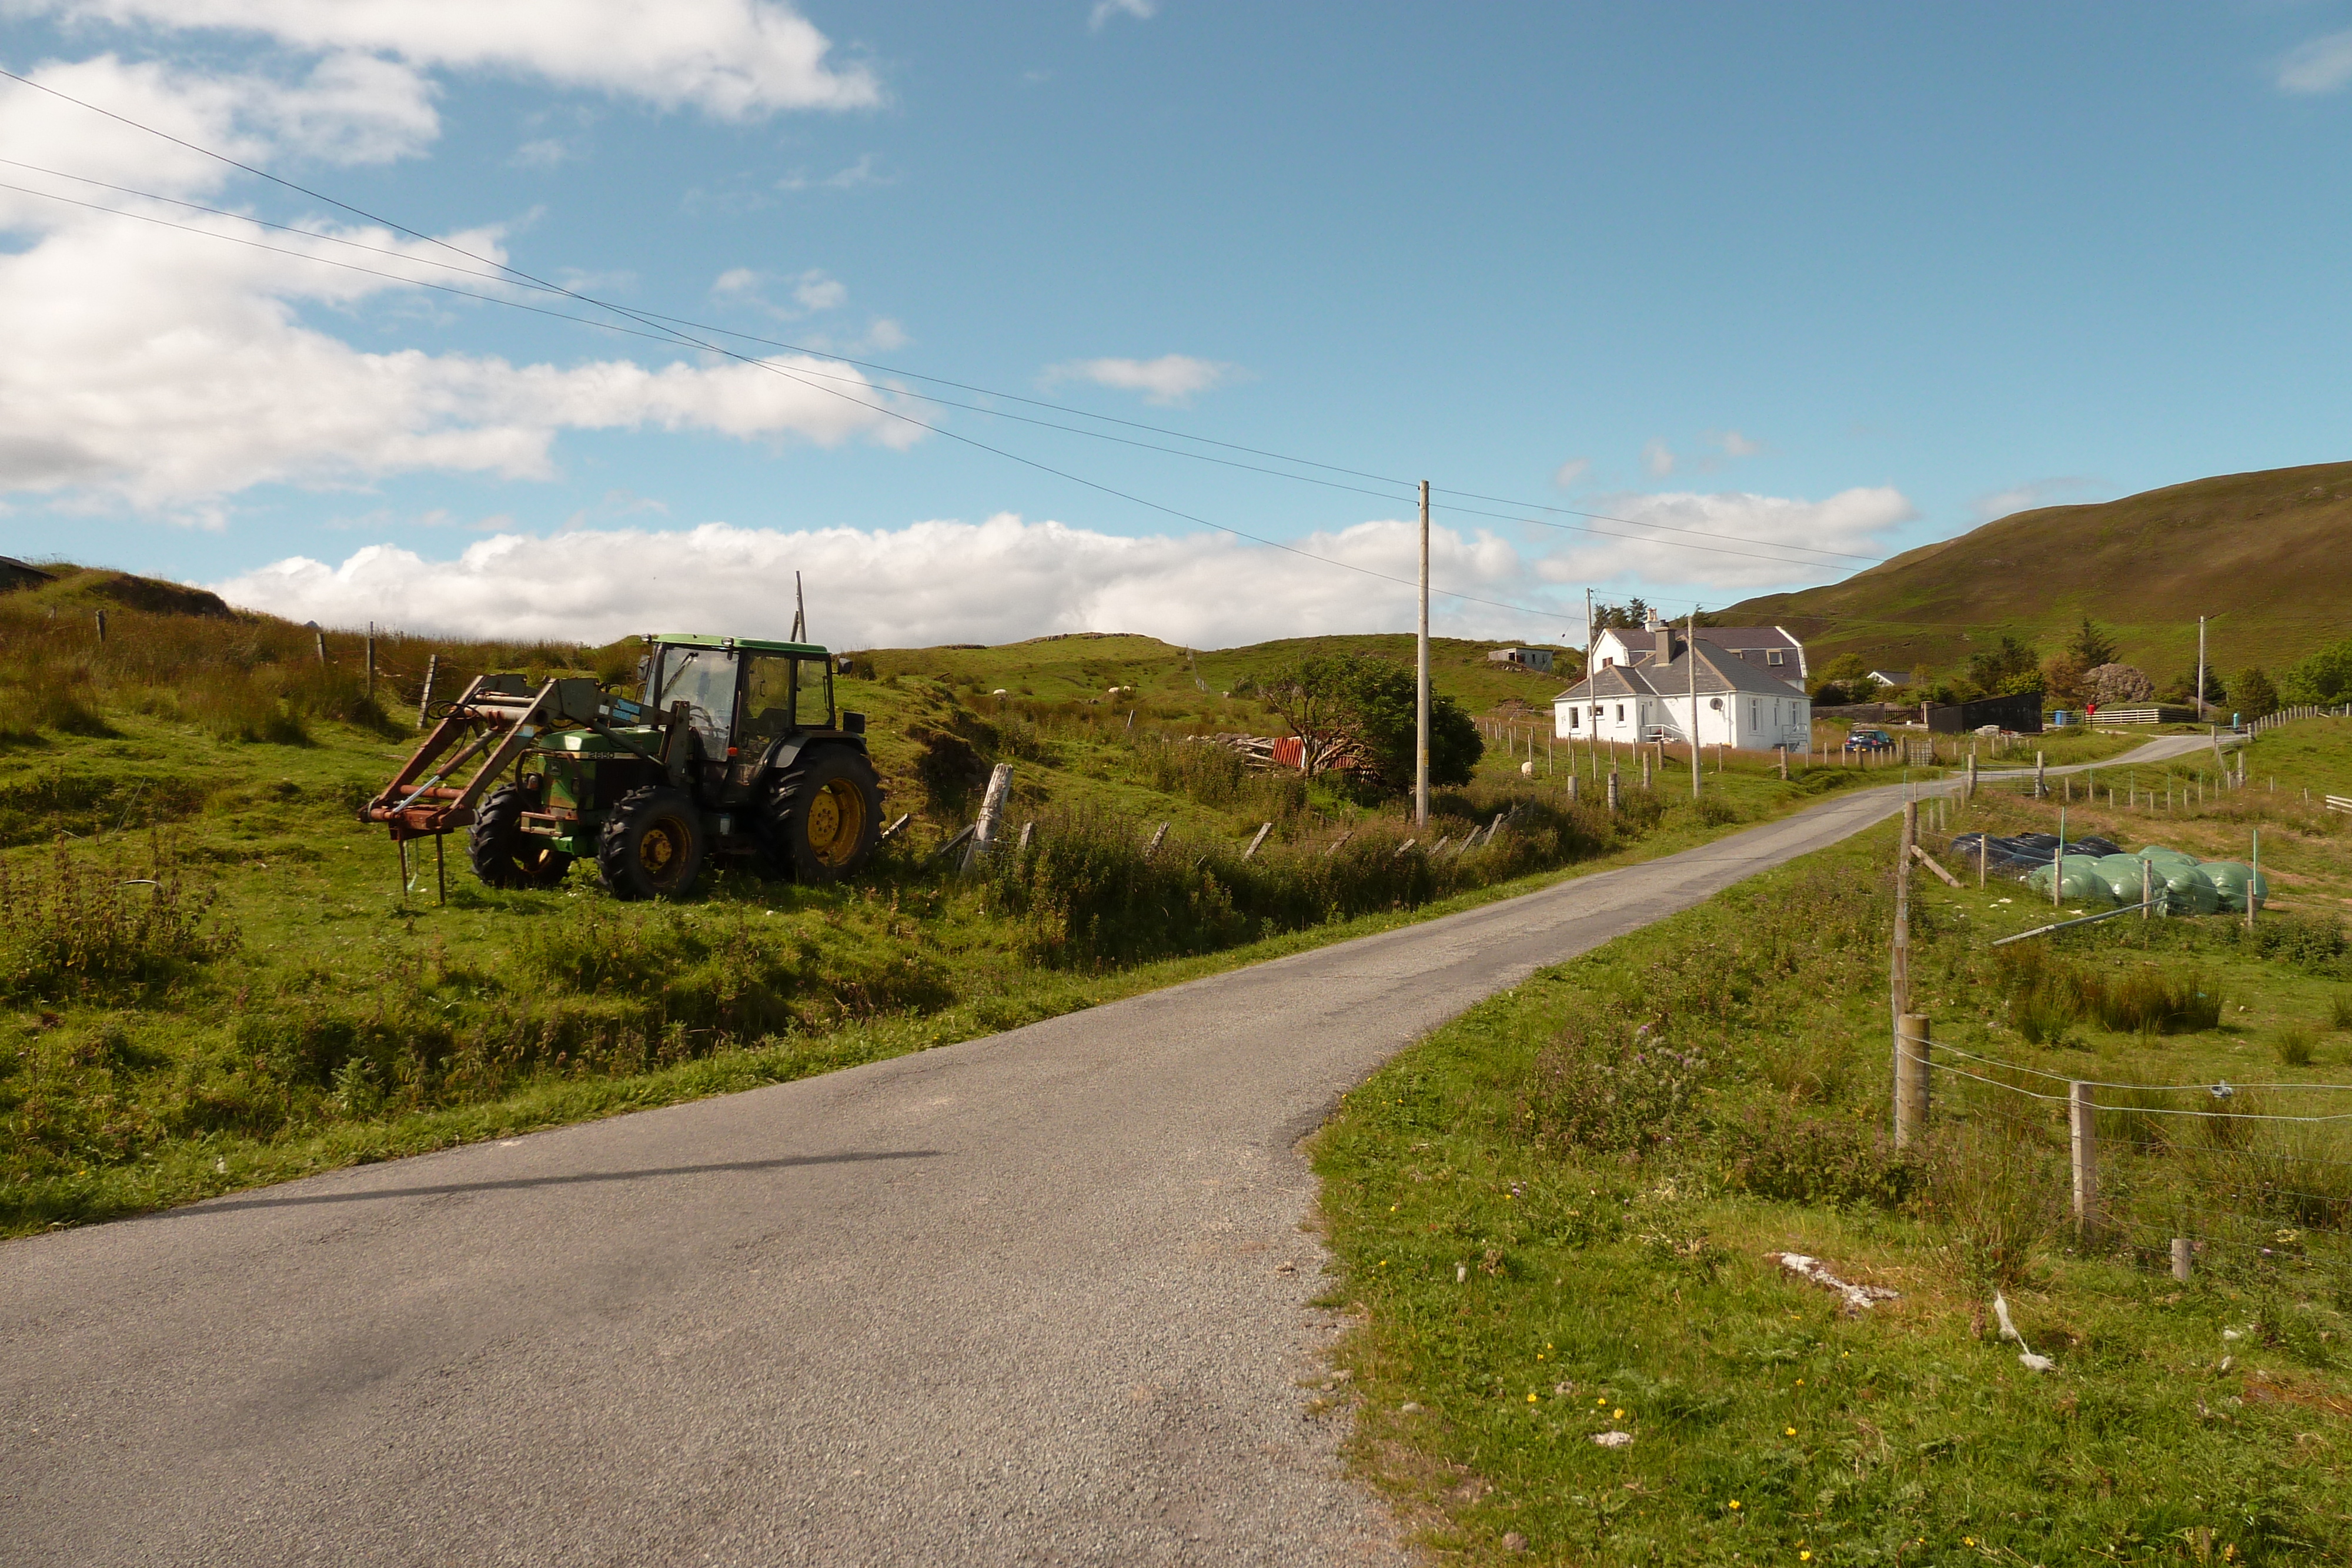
(659, 324)
(667, 337)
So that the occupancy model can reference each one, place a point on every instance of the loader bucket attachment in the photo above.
(484, 731)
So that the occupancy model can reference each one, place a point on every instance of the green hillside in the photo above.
(2267, 556)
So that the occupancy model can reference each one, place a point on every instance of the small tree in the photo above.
(2092, 645)
(1308, 693)
(2252, 694)
(1377, 708)
(2005, 667)
(2325, 677)
(2065, 679)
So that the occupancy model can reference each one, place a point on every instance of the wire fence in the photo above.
(2250, 1178)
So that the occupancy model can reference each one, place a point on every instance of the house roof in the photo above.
(1721, 670)
(1639, 640)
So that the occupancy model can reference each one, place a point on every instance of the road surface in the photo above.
(1041, 1298)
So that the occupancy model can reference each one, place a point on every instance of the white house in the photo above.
(1767, 648)
(1741, 704)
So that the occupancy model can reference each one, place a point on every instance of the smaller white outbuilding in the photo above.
(1739, 705)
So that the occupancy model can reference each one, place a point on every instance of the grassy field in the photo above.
(213, 977)
(1556, 1215)
(2265, 546)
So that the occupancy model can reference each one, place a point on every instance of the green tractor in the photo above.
(736, 753)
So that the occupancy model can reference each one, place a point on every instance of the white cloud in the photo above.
(1142, 10)
(1169, 379)
(1998, 504)
(544, 153)
(735, 59)
(2322, 65)
(1731, 444)
(928, 584)
(168, 370)
(1570, 472)
(1657, 458)
(1757, 542)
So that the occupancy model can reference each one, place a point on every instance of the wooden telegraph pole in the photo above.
(1420, 682)
(1691, 654)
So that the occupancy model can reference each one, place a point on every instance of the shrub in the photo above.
(2000, 1191)
(93, 924)
(2295, 1047)
(1609, 1091)
(1817, 1159)
(2047, 994)
(2339, 1010)
(2310, 941)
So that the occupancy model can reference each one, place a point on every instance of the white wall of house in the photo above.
(1742, 720)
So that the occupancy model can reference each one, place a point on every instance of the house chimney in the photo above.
(1666, 655)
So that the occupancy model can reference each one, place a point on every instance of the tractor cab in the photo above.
(744, 702)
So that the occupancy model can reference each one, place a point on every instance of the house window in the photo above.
(1621, 712)
(1607, 664)
(1755, 714)
(1772, 656)
(1714, 703)
(1575, 717)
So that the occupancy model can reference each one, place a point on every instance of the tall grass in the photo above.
(1091, 889)
(240, 678)
(101, 924)
(2048, 994)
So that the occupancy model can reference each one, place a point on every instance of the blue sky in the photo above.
(1829, 279)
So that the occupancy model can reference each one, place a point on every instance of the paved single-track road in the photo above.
(1041, 1298)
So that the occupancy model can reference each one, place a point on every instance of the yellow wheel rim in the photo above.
(660, 849)
(837, 822)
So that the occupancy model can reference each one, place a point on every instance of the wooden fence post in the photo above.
(319, 640)
(1613, 791)
(2182, 1252)
(101, 626)
(424, 697)
(1263, 829)
(1899, 954)
(1911, 1057)
(371, 660)
(2083, 1143)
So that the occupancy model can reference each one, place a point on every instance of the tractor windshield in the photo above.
(705, 677)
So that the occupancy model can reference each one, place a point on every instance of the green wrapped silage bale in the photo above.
(2080, 881)
(2163, 856)
(2122, 874)
(2230, 879)
(2188, 890)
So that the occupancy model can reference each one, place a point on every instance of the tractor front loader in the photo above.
(730, 758)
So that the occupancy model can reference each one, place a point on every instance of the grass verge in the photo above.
(1556, 1214)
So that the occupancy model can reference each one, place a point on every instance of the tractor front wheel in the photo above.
(824, 816)
(503, 854)
(652, 845)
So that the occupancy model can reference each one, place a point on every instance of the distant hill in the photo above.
(2267, 556)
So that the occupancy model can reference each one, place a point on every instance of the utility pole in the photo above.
(1691, 654)
(1420, 682)
(2200, 669)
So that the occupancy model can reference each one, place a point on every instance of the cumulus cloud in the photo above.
(1570, 472)
(1998, 504)
(942, 582)
(1762, 541)
(1142, 10)
(1657, 458)
(2322, 65)
(733, 59)
(1170, 379)
(167, 368)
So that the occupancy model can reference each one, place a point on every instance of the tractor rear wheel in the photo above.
(652, 845)
(824, 816)
(503, 854)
